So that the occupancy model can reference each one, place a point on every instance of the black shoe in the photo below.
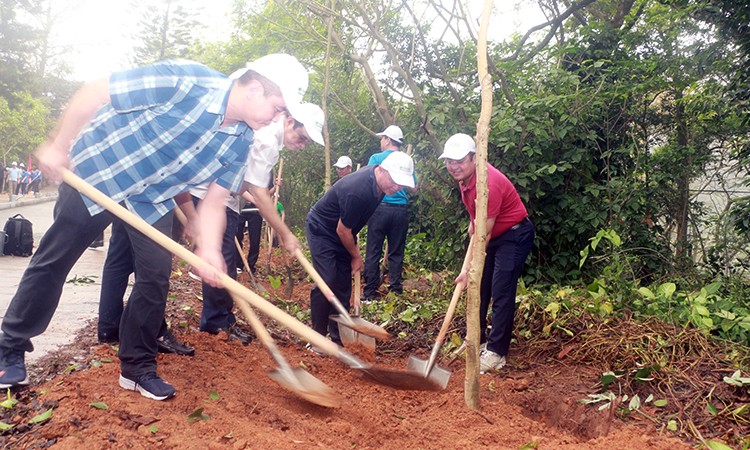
(108, 337)
(96, 244)
(150, 385)
(169, 344)
(235, 332)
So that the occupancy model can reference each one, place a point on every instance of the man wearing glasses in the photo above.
(510, 235)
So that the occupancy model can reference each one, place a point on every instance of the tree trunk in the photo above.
(683, 183)
(471, 382)
(324, 101)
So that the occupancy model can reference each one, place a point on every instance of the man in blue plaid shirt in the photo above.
(143, 136)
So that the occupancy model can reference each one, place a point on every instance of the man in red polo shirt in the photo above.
(510, 235)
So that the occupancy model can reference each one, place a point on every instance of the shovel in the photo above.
(259, 287)
(356, 324)
(349, 337)
(296, 380)
(428, 369)
(388, 377)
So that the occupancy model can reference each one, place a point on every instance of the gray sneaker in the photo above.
(489, 360)
(12, 368)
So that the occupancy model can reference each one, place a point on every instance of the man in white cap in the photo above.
(510, 236)
(390, 221)
(343, 166)
(142, 136)
(332, 226)
(301, 126)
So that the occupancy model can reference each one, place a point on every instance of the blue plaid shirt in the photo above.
(159, 136)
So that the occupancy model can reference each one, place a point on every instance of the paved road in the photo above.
(79, 302)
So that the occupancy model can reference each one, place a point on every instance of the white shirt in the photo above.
(263, 156)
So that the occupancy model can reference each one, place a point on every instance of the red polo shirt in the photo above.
(503, 202)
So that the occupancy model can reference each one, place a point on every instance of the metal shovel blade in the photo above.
(300, 382)
(437, 375)
(351, 338)
(361, 326)
(409, 381)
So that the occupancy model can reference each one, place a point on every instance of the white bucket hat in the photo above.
(400, 167)
(458, 146)
(392, 132)
(343, 161)
(312, 117)
(283, 70)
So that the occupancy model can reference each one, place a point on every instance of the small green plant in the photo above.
(99, 405)
(275, 281)
(9, 402)
(80, 281)
(198, 415)
(737, 380)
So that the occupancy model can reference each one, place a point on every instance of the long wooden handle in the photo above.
(327, 292)
(231, 285)
(357, 293)
(449, 314)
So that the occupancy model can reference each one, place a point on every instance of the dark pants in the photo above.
(254, 223)
(334, 264)
(39, 291)
(391, 222)
(217, 302)
(506, 255)
(117, 269)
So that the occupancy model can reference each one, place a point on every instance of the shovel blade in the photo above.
(405, 380)
(362, 326)
(437, 374)
(306, 386)
(351, 338)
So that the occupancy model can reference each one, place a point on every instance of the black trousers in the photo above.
(506, 255)
(254, 223)
(40, 288)
(117, 269)
(391, 222)
(334, 264)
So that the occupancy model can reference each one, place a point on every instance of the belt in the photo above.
(518, 225)
(393, 205)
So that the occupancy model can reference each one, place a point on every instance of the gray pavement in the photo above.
(79, 302)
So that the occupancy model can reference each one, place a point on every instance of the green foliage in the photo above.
(197, 416)
(23, 125)
(166, 30)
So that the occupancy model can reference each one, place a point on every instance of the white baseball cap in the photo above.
(15, 163)
(392, 132)
(343, 161)
(283, 70)
(312, 117)
(400, 167)
(458, 146)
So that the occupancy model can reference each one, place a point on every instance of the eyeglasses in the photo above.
(456, 162)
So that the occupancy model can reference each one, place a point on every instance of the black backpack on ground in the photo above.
(20, 237)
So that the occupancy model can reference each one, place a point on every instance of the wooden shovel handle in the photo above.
(454, 300)
(327, 292)
(357, 293)
(231, 285)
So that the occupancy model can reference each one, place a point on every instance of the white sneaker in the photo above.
(489, 360)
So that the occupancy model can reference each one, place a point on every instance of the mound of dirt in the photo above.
(225, 399)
